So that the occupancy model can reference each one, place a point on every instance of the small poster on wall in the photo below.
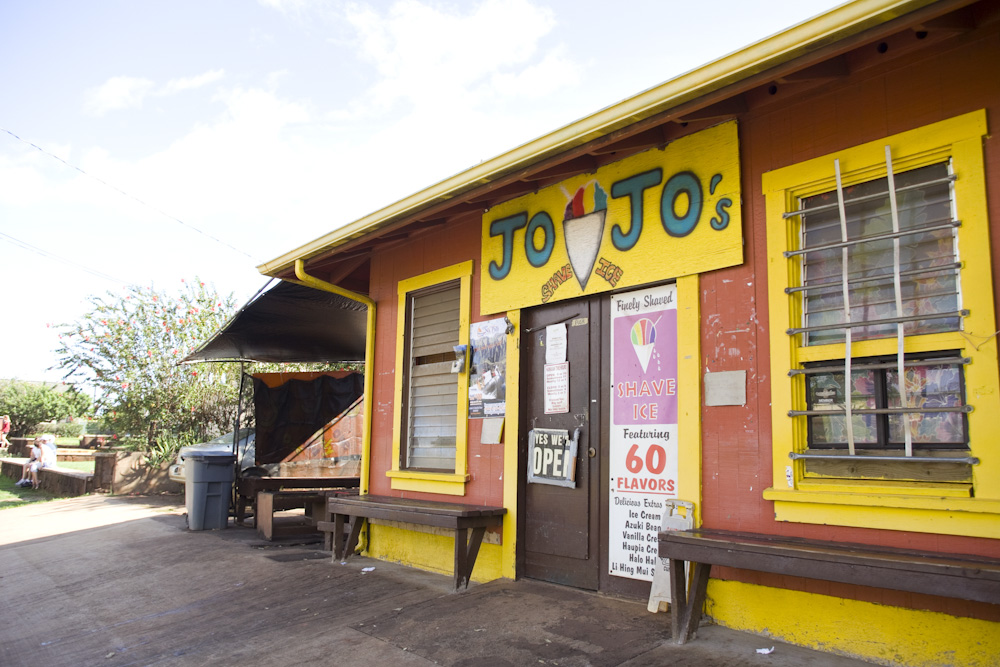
(643, 443)
(488, 377)
(556, 388)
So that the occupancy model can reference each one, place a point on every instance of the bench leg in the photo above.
(337, 536)
(315, 510)
(352, 540)
(466, 551)
(685, 604)
(263, 517)
(241, 509)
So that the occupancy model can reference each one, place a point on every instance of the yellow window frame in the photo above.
(415, 480)
(921, 507)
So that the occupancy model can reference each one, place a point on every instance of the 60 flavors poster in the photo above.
(643, 447)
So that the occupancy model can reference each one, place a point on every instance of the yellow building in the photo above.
(661, 302)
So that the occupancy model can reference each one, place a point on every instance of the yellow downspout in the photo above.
(316, 283)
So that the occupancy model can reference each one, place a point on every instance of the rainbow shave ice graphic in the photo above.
(584, 231)
(643, 338)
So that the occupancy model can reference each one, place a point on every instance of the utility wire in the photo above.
(46, 253)
(122, 192)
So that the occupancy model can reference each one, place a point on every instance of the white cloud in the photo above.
(119, 92)
(555, 70)
(127, 92)
(287, 6)
(428, 56)
(189, 83)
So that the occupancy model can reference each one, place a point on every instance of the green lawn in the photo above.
(13, 496)
(85, 466)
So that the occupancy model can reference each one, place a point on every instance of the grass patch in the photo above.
(85, 466)
(15, 496)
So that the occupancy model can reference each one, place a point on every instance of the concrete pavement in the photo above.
(115, 581)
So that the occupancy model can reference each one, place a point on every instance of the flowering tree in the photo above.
(127, 348)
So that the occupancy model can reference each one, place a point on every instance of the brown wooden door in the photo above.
(560, 525)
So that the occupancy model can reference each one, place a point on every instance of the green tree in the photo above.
(29, 404)
(127, 347)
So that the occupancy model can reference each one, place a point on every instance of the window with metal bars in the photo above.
(876, 259)
(934, 386)
(431, 408)
(925, 234)
(879, 268)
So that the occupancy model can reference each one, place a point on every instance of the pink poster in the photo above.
(643, 446)
(645, 365)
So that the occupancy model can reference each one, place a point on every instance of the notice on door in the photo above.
(556, 388)
(643, 444)
(552, 457)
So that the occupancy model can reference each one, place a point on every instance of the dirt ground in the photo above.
(114, 581)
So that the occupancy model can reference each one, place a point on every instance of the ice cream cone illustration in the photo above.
(584, 232)
(643, 338)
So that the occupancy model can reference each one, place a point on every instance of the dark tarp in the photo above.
(289, 414)
(290, 323)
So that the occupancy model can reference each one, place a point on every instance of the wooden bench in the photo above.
(457, 517)
(956, 576)
(248, 488)
(313, 501)
(60, 481)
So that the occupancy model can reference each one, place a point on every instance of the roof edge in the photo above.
(836, 24)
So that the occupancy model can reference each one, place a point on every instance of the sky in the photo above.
(146, 143)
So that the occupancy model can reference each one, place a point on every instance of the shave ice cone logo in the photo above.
(643, 339)
(584, 231)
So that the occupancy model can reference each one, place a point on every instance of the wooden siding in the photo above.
(951, 78)
(421, 253)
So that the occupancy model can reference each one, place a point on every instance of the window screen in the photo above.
(432, 389)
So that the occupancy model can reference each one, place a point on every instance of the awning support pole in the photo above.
(316, 283)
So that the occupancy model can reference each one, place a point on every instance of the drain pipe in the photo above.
(316, 283)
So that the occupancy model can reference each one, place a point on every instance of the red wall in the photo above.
(955, 77)
(428, 251)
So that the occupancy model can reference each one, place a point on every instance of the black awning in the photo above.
(290, 323)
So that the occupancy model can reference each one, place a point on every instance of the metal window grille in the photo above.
(878, 259)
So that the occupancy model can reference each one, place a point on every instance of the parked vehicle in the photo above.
(245, 452)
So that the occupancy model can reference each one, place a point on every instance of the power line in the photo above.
(122, 192)
(27, 246)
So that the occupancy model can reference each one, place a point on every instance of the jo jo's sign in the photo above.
(660, 214)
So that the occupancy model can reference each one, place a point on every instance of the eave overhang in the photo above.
(802, 45)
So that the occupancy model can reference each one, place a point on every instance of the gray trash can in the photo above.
(208, 487)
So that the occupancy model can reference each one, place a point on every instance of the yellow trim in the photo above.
(797, 41)
(958, 138)
(511, 431)
(428, 482)
(878, 633)
(689, 400)
(924, 489)
(428, 551)
(366, 438)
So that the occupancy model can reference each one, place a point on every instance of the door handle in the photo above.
(591, 452)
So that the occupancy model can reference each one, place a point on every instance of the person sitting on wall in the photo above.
(46, 457)
(34, 459)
